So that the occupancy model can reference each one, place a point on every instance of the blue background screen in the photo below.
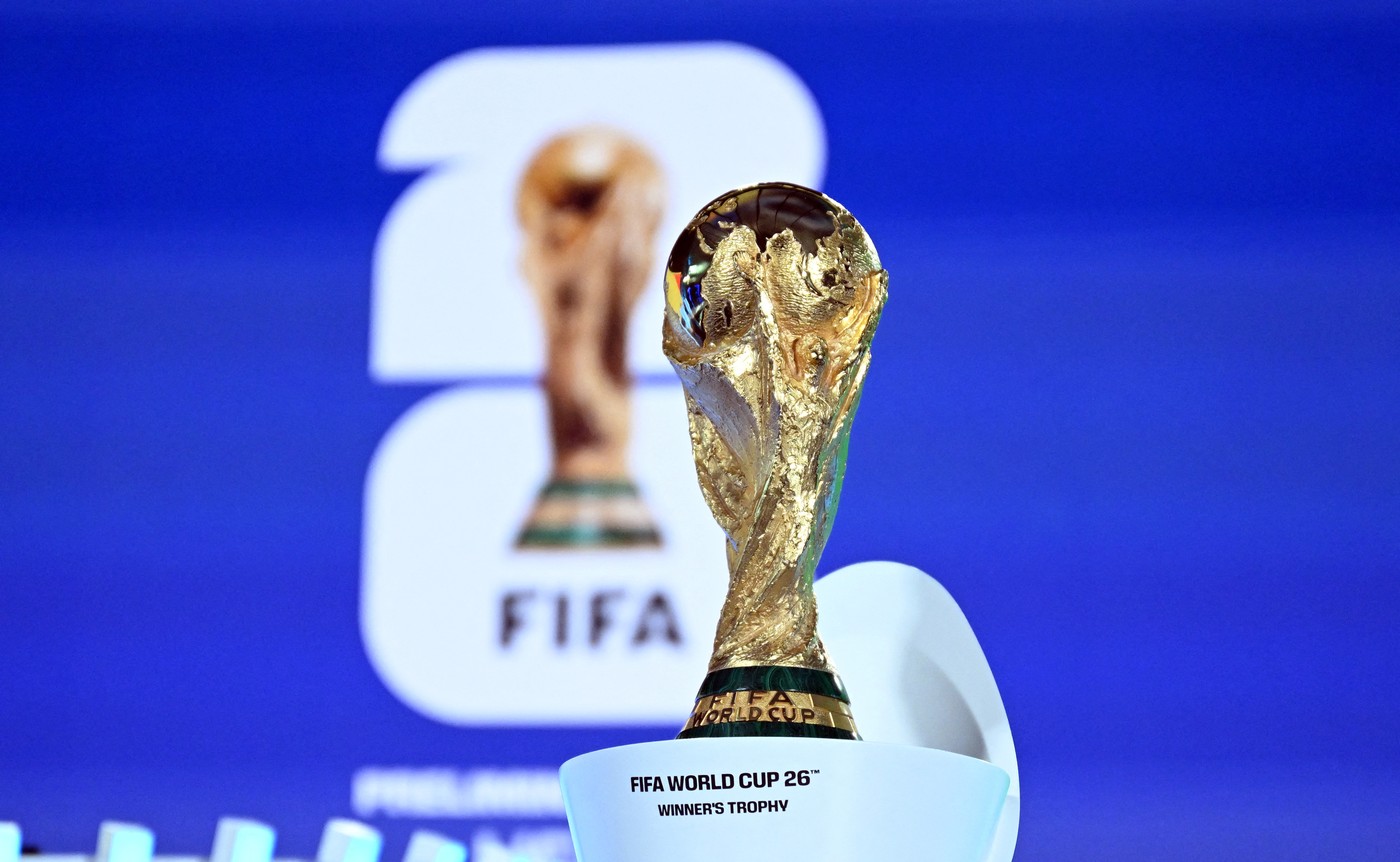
(1135, 399)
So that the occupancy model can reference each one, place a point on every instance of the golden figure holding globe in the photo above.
(773, 295)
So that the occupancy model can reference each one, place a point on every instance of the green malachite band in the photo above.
(576, 536)
(766, 728)
(773, 678)
(599, 488)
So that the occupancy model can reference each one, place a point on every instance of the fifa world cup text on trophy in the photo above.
(773, 293)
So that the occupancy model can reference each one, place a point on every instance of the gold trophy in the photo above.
(589, 204)
(773, 293)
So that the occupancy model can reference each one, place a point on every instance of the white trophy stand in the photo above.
(934, 779)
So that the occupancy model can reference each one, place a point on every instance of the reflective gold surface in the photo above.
(773, 294)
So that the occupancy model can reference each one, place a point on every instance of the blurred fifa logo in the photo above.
(534, 536)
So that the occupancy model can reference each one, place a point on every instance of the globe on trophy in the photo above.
(773, 293)
(588, 204)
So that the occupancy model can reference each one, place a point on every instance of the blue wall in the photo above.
(1136, 400)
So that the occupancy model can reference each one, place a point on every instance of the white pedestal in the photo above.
(815, 800)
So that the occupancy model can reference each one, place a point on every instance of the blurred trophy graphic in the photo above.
(588, 204)
(773, 295)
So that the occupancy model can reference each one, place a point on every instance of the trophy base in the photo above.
(771, 700)
(689, 800)
(573, 514)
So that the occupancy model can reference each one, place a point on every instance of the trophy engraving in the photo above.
(589, 204)
(773, 294)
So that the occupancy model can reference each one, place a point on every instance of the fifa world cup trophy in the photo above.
(773, 295)
(589, 204)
